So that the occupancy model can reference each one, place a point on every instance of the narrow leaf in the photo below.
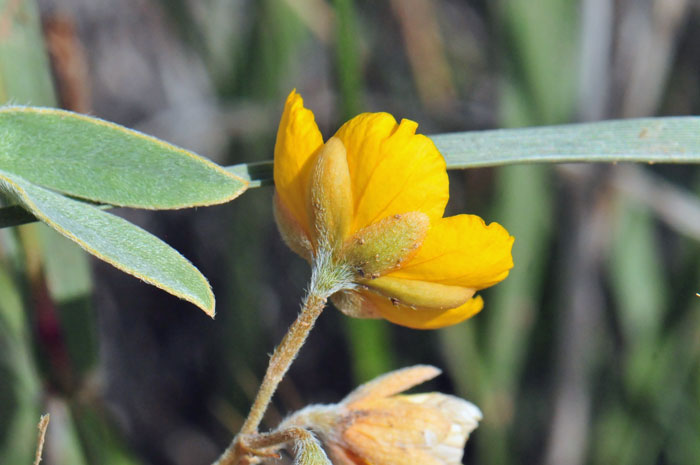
(100, 161)
(650, 140)
(114, 240)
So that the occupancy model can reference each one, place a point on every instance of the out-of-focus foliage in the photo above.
(587, 354)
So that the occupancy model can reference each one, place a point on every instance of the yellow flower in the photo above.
(373, 197)
(374, 426)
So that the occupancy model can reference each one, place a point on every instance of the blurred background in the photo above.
(587, 354)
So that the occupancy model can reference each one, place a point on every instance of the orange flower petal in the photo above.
(461, 251)
(393, 170)
(390, 383)
(298, 139)
(420, 318)
(393, 431)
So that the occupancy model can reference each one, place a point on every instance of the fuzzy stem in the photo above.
(280, 361)
(326, 279)
(282, 358)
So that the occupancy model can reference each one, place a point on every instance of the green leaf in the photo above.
(114, 240)
(103, 162)
(650, 140)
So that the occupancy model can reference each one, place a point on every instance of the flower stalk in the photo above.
(282, 358)
(327, 278)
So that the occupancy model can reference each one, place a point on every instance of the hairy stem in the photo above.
(282, 358)
(280, 361)
(327, 278)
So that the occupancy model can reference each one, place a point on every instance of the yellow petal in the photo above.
(298, 139)
(421, 294)
(393, 170)
(291, 231)
(421, 318)
(461, 251)
(330, 195)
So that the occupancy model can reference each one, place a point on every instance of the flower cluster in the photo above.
(372, 199)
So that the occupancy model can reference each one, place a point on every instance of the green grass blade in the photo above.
(71, 293)
(370, 348)
(114, 240)
(637, 277)
(24, 76)
(103, 162)
(20, 386)
(648, 140)
(347, 58)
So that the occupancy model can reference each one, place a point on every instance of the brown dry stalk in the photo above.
(43, 425)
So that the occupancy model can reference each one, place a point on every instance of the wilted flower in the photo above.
(372, 198)
(375, 426)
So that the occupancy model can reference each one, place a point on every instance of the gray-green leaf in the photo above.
(100, 161)
(651, 140)
(114, 240)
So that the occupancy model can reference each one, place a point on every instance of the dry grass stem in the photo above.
(42, 426)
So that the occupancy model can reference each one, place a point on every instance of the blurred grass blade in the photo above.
(23, 63)
(637, 281)
(371, 351)
(114, 240)
(101, 444)
(19, 385)
(103, 162)
(347, 58)
(63, 439)
(71, 292)
(65, 256)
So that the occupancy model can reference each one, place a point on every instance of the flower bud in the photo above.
(375, 426)
(330, 195)
(384, 245)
